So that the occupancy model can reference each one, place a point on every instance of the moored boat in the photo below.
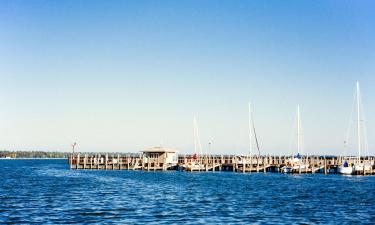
(345, 168)
(295, 163)
(357, 166)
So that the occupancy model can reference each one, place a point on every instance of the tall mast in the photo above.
(195, 135)
(250, 130)
(197, 141)
(298, 130)
(358, 121)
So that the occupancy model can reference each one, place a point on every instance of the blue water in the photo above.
(46, 191)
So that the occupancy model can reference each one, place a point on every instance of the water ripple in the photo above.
(46, 191)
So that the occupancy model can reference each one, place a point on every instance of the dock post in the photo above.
(325, 165)
(112, 161)
(206, 162)
(257, 164)
(98, 161)
(77, 161)
(221, 163)
(213, 163)
(164, 167)
(118, 162)
(156, 165)
(106, 161)
(265, 163)
(135, 162)
(84, 161)
(233, 164)
(148, 163)
(244, 162)
(364, 167)
(70, 161)
(251, 164)
(142, 159)
(199, 162)
(237, 164)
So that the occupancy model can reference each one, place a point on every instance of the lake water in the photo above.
(46, 191)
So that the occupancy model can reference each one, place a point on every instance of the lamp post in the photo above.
(73, 146)
(209, 147)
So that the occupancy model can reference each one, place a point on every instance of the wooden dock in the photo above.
(242, 164)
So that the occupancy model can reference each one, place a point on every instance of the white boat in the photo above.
(287, 169)
(357, 165)
(195, 164)
(253, 155)
(345, 168)
(295, 163)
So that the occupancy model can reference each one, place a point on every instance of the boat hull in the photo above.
(345, 170)
(287, 169)
(194, 167)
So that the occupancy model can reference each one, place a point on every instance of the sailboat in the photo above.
(350, 168)
(295, 163)
(195, 163)
(247, 159)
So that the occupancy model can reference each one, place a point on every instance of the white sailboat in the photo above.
(248, 158)
(195, 164)
(349, 167)
(295, 163)
(356, 166)
(359, 166)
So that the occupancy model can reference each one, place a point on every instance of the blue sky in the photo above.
(124, 75)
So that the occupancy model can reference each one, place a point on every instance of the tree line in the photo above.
(33, 154)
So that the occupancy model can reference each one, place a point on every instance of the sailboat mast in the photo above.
(358, 121)
(195, 135)
(197, 140)
(298, 130)
(250, 130)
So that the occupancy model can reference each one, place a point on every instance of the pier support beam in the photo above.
(325, 165)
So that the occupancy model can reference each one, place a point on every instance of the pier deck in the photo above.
(243, 164)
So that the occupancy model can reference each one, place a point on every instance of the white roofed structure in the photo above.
(159, 150)
(159, 158)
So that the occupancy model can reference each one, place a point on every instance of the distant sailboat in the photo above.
(252, 135)
(195, 163)
(347, 167)
(295, 162)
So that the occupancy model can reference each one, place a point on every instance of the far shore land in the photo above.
(5, 154)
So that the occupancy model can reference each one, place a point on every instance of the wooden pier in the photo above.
(242, 164)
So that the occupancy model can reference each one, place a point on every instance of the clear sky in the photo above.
(124, 75)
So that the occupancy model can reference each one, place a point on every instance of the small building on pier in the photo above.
(159, 158)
